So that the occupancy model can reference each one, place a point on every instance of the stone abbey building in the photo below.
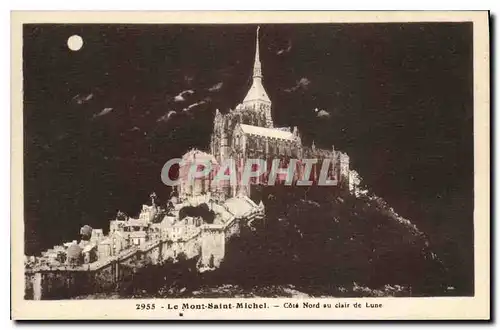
(248, 132)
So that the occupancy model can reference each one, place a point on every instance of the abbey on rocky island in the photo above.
(199, 218)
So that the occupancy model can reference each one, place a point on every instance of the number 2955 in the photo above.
(144, 306)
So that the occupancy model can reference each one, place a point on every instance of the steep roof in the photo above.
(74, 251)
(194, 155)
(267, 132)
(239, 205)
(256, 92)
(136, 222)
(88, 247)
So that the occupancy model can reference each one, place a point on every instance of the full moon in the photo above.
(75, 42)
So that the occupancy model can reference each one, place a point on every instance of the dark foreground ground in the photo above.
(310, 246)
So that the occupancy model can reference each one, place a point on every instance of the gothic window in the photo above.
(237, 141)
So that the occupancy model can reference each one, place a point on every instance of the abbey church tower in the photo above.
(248, 132)
(256, 98)
(254, 110)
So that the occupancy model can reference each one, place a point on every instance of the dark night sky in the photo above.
(398, 99)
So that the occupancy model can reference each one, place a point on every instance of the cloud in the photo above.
(302, 83)
(62, 136)
(285, 50)
(188, 79)
(104, 111)
(186, 111)
(166, 117)
(81, 99)
(322, 113)
(197, 104)
(215, 87)
(181, 97)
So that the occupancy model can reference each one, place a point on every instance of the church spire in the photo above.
(257, 68)
(256, 98)
(257, 94)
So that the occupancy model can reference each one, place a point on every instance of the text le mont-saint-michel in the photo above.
(246, 305)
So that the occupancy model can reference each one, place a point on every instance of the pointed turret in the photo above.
(153, 198)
